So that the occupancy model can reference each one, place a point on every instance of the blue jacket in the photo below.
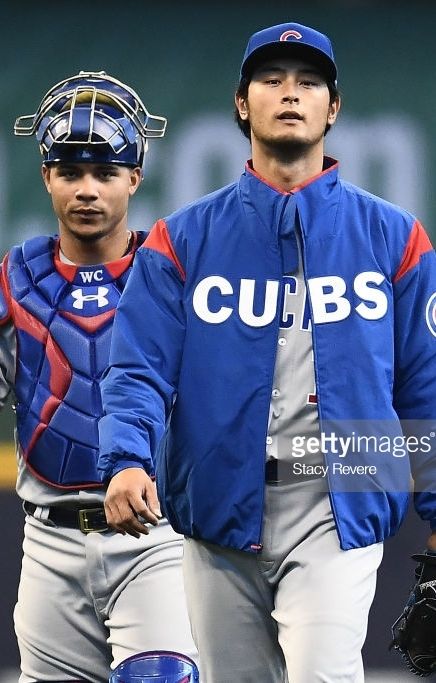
(194, 345)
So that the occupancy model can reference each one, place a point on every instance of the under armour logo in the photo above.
(80, 297)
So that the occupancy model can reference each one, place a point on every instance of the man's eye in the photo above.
(309, 82)
(107, 175)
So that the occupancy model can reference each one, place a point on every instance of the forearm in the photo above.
(140, 385)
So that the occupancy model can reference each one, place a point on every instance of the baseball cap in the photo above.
(303, 41)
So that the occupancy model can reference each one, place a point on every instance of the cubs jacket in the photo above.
(193, 352)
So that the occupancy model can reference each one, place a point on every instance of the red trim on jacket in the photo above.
(160, 241)
(327, 160)
(417, 244)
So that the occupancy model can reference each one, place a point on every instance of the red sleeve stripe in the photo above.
(418, 244)
(160, 241)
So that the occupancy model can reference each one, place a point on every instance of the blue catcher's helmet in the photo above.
(92, 117)
(158, 666)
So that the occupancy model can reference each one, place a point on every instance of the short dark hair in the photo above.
(242, 91)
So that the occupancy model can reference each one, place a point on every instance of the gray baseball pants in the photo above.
(87, 602)
(296, 612)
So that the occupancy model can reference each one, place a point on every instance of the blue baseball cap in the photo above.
(290, 39)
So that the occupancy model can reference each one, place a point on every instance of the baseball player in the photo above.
(289, 315)
(88, 597)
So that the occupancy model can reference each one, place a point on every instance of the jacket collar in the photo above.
(316, 200)
(330, 169)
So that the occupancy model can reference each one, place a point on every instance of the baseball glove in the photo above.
(414, 632)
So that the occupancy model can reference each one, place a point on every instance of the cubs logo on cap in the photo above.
(290, 39)
(287, 35)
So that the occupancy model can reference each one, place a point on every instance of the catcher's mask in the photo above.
(92, 117)
(158, 666)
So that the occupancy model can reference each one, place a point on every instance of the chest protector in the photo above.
(63, 317)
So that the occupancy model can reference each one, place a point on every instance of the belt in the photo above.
(85, 519)
(281, 472)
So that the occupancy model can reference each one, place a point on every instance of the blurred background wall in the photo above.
(183, 58)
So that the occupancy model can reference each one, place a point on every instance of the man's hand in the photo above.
(130, 493)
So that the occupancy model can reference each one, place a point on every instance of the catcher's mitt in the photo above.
(414, 632)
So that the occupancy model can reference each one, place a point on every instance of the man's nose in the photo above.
(290, 93)
(87, 188)
(290, 96)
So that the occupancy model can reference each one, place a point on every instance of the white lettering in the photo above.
(327, 296)
(201, 296)
(246, 303)
(340, 468)
(89, 275)
(310, 470)
(320, 299)
(370, 294)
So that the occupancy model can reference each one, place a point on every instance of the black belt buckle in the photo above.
(272, 472)
(92, 519)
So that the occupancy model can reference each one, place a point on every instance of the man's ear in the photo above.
(45, 172)
(242, 106)
(334, 110)
(135, 179)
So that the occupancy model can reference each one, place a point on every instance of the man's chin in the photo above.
(288, 147)
(88, 236)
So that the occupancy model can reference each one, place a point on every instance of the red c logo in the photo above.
(290, 34)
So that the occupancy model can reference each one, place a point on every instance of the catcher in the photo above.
(88, 597)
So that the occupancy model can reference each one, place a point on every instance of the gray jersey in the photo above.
(293, 416)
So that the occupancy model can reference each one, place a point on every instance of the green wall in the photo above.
(184, 58)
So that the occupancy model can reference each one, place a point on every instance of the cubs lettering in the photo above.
(327, 295)
(246, 301)
(330, 305)
(291, 312)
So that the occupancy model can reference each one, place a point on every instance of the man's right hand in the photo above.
(131, 493)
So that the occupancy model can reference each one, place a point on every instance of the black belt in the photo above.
(85, 519)
(281, 472)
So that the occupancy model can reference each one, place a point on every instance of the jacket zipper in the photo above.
(258, 547)
(315, 368)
